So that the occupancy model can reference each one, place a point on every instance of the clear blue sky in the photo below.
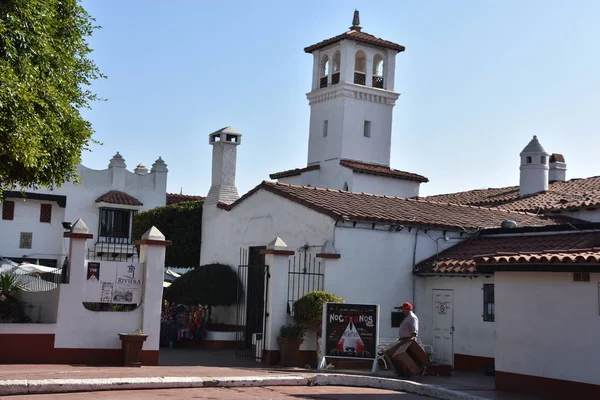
(477, 80)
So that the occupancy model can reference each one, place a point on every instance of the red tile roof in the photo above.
(357, 36)
(571, 194)
(117, 197)
(386, 209)
(374, 169)
(173, 198)
(293, 172)
(575, 256)
(462, 258)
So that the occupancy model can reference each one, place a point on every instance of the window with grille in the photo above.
(46, 213)
(325, 128)
(367, 129)
(25, 240)
(8, 210)
(581, 277)
(488, 302)
(115, 225)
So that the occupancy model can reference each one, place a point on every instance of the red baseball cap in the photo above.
(407, 305)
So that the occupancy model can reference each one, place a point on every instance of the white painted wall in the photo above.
(148, 188)
(382, 185)
(472, 336)
(547, 325)
(255, 222)
(44, 305)
(376, 268)
(586, 215)
(47, 237)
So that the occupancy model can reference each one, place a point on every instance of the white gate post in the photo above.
(152, 254)
(277, 259)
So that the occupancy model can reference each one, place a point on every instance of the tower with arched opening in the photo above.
(352, 97)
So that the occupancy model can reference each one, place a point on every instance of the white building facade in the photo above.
(107, 200)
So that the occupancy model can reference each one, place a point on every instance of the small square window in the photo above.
(543, 160)
(25, 240)
(528, 159)
(325, 126)
(581, 277)
(367, 129)
(8, 210)
(46, 213)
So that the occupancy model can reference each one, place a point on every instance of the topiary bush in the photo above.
(308, 310)
(208, 285)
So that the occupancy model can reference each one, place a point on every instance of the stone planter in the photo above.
(131, 344)
(290, 351)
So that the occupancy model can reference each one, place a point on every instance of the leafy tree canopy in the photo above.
(45, 75)
(182, 224)
(308, 309)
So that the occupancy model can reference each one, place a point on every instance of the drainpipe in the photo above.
(414, 264)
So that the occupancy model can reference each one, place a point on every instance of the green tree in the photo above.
(45, 75)
(208, 285)
(182, 224)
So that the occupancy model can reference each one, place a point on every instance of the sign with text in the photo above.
(350, 331)
(116, 282)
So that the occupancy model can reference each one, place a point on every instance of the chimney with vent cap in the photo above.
(534, 169)
(558, 168)
(225, 142)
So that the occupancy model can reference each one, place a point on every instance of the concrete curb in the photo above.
(45, 386)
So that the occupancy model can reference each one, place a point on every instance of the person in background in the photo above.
(409, 328)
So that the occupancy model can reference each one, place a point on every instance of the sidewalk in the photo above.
(180, 369)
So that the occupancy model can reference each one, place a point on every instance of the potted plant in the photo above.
(131, 344)
(290, 338)
(308, 312)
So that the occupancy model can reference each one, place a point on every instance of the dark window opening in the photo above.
(46, 213)
(528, 159)
(115, 225)
(581, 277)
(8, 210)
(25, 240)
(488, 302)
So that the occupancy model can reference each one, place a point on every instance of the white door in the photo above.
(443, 326)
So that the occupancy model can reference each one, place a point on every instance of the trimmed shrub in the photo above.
(308, 310)
(208, 285)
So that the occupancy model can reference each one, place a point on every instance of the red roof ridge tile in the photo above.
(118, 197)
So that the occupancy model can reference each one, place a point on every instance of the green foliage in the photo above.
(208, 285)
(292, 332)
(9, 283)
(182, 224)
(308, 310)
(45, 75)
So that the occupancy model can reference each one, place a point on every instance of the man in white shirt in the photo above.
(409, 328)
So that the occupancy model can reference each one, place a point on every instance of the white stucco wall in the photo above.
(547, 325)
(44, 305)
(586, 215)
(472, 336)
(382, 185)
(46, 240)
(256, 222)
(376, 268)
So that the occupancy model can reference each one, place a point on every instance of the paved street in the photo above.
(262, 393)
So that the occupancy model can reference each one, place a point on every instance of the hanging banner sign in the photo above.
(116, 282)
(350, 331)
(93, 271)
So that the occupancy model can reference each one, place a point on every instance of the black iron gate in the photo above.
(251, 315)
(304, 276)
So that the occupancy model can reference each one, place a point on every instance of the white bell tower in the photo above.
(352, 97)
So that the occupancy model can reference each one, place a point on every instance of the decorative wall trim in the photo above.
(165, 243)
(278, 252)
(75, 235)
(328, 255)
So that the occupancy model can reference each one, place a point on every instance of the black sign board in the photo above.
(350, 330)
(93, 271)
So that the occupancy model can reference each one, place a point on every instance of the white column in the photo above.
(152, 254)
(369, 61)
(277, 258)
(389, 70)
(316, 67)
(347, 56)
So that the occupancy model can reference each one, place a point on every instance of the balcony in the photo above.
(360, 78)
(378, 82)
